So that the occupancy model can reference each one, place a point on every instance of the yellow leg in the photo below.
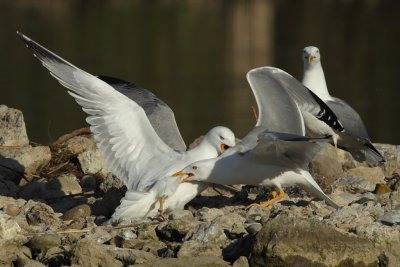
(161, 209)
(275, 198)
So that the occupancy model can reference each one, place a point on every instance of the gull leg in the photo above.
(161, 209)
(274, 198)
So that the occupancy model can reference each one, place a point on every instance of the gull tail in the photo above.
(313, 188)
(134, 205)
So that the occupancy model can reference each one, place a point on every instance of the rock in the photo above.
(32, 159)
(62, 186)
(100, 235)
(78, 145)
(374, 175)
(130, 256)
(233, 225)
(39, 214)
(33, 263)
(306, 242)
(353, 185)
(327, 167)
(176, 230)
(12, 127)
(255, 213)
(203, 261)
(90, 253)
(147, 231)
(195, 248)
(88, 182)
(241, 262)
(92, 162)
(207, 215)
(24, 256)
(391, 154)
(253, 228)
(394, 182)
(208, 233)
(9, 228)
(157, 248)
(56, 256)
(77, 212)
(344, 198)
(181, 214)
(391, 218)
(44, 242)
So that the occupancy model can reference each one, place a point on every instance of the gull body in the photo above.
(355, 138)
(132, 149)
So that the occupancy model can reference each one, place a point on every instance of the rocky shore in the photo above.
(53, 200)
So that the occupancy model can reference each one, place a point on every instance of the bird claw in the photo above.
(274, 198)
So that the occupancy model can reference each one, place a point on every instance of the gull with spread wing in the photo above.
(131, 147)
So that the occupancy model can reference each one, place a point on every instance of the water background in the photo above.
(195, 54)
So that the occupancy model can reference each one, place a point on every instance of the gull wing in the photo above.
(285, 149)
(355, 138)
(160, 115)
(128, 142)
(304, 98)
(277, 111)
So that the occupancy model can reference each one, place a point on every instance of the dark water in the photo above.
(195, 54)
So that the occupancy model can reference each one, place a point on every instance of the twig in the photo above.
(9, 147)
(254, 112)
(58, 167)
(65, 138)
(71, 195)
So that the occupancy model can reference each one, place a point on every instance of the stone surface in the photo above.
(373, 175)
(92, 162)
(77, 212)
(205, 261)
(32, 159)
(353, 184)
(12, 127)
(44, 242)
(303, 242)
(89, 253)
(62, 186)
(391, 217)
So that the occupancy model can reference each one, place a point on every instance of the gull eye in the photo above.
(221, 137)
(194, 167)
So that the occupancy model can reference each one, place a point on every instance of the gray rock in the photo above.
(241, 262)
(62, 186)
(81, 211)
(44, 242)
(9, 228)
(391, 217)
(33, 263)
(92, 162)
(202, 261)
(88, 182)
(181, 214)
(11, 240)
(317, 244)
(12, 127)
(253, 228)
(353, 184)
(255, 213)
(90, 253)
(39, 214)
(78, 145)
(129, 256)
(344, 198)
(176, 230)
(195, 248)
(232, 223)
(147, 231)
(32, 159)
(100, 235)
(374, 175)
(207, 215)
(207, 232)
(24, 256)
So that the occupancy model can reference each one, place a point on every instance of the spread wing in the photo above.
(160, 115)
(130, 146)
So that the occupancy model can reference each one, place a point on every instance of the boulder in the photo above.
(12, 127)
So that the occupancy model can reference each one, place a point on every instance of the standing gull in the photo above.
(129, 144)
(355, 139)
(265, 156)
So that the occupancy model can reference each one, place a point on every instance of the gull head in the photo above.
(221, 138)
(311, 55)
(198, 171)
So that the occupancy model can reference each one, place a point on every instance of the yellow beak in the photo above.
(223, 147)
(311, 58)
(180, 173)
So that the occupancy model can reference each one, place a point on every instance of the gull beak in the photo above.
(224, 147)
(311, 58)
(177, 174)
(186, 179)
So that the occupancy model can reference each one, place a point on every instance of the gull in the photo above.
(355, 139)
(266, 159)
(132, 149)
(275, 152)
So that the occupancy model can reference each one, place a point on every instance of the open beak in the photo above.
(224, 147)
(311, 58)
(181, 173)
